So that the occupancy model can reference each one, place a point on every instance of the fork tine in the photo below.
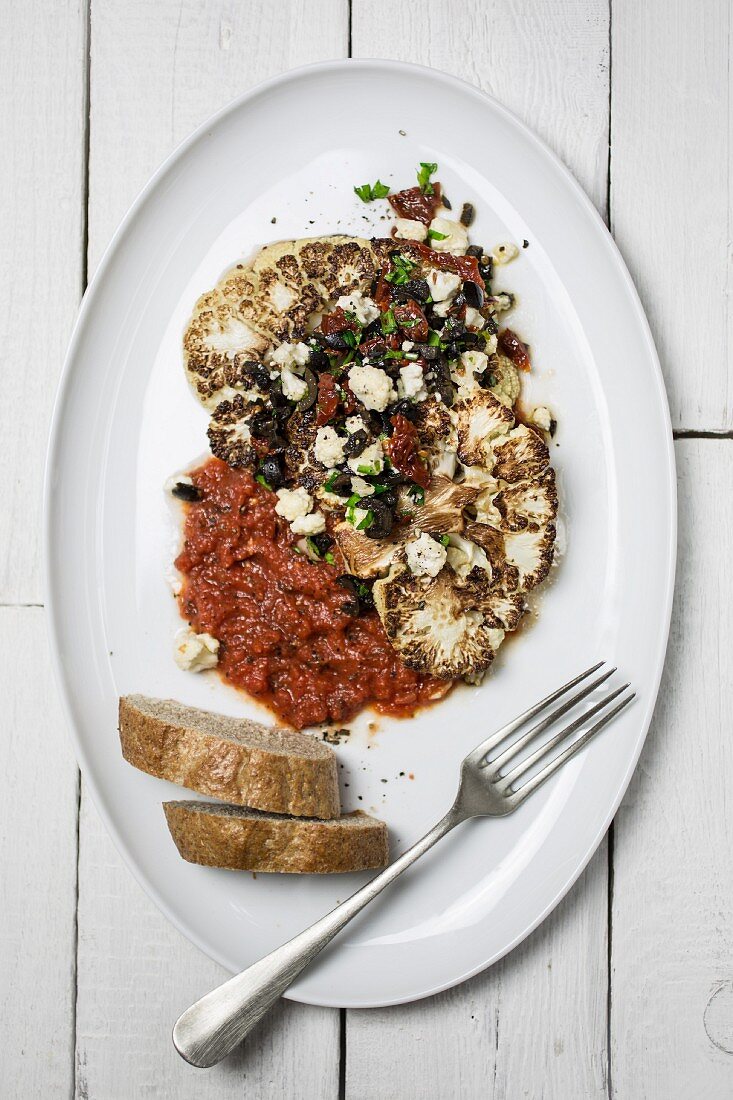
(515, 773)
(516, 746)
(477, 755)
(531, 785)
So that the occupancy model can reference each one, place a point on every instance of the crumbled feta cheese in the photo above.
(293, 387)
(443, 284)
(411, 383)
(425, 556)
(362, 487)
(293, 503)
(455, 236)
(195, 652)
(370, 461)
(357, 516)
(372, 386)
(442, 309)
(290, 355)
(501, 302)
(311, 524)
(503, 253)
(474, 318)
(475, 361)
(329, 448)
(355, 424)
(407, 345)
(363, 308)
(463, 555)
(409, 230)
(541, 418)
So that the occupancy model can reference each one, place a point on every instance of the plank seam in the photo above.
(694, 433)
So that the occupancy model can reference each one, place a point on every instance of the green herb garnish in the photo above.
(366, 522)
(328, 556)
(330, 481)
(433, 339)
(370, 191)
(388, 323)
(349, 337)
(263, 482)
(434, 235)
(423, 177)
(312, 546)
(417, 494)
(402, 270)
(445, 539)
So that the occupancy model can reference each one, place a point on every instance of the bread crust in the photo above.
(235, 839)
(235, 760)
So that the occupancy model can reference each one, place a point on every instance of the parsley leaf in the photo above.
(370, 191)
(328, 556)
(263, 481)
(445, 539)
(366, 522)
(416, 493)
(434, 235)
(423, 177)
(388, 323)
(402, 268)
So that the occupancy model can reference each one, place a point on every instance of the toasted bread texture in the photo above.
(245, 840)
(238, 761)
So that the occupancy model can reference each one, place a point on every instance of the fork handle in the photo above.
(211, 1028)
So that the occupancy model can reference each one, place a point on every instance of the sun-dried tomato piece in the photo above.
(412, 203)
(328, 399)
(411, 319)
(403, 449)
(337, 321)
(465, 266)
(514, 349)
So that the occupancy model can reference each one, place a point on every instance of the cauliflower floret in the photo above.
(363, 308)
(444, 463)
(311, 524)
(409, 230)
(463, 555)
(454, 236)
(425, 556)
(370, 461)
(503, 253)
(468, 366)
(290, 355)
(411, 383)
(294, 387)
(329, 448)
(195, 652)
(293, 503)
(372, 386)
(443, 284)
(541, 417)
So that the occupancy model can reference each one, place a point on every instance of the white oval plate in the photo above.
(292, 149)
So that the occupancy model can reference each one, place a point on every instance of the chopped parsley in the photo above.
(330, 481)
(366, 522)
(445, 539)
(434, 235)
(433, 339)
(312, 547)
(349, 338)
(417, 494)
(388, 323)
(328, 556)
(370, 191)
(423, 177)
(402, 270)
(263, 481)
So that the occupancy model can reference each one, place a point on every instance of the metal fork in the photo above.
(211, 1028)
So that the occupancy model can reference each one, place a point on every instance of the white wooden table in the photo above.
(627, 990)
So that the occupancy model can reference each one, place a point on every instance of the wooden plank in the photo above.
(672, 929)
(536, 1024)
(156, 72)
(546, 63)
(136, 974)
(38, 859)
(42, 89)
(670, 191)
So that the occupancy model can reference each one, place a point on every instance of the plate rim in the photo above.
(55, 438)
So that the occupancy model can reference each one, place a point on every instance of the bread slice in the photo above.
(245, 840)
(233, 759)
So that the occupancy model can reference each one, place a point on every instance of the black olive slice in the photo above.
(183, 491)
(381, 524)
(341, 485)
(467, 213)
(351, 584)
(311, 394)
(356, 443)
(404, 408)
(322, 542)
(473, 294)
(271, 471)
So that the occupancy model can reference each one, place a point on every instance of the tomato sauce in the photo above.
(284, 636)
